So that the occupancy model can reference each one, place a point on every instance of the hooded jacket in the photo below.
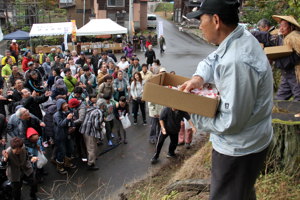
(25, 62)
(60, 122)
(50, 109)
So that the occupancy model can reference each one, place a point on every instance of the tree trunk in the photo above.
(285, 148)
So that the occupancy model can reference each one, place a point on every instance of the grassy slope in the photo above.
(196, 164)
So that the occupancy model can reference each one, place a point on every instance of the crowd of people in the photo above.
(73, 103)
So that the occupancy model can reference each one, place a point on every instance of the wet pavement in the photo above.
(126, 163)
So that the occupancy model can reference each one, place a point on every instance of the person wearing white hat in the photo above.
(14, 49)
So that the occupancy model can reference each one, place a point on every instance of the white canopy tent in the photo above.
(50, 29)
(101, 27)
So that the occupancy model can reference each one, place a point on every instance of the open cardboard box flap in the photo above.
(154, 91)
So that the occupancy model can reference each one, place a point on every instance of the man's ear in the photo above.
(216, 21)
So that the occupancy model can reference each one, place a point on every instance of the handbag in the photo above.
(42, 160)
(71, 130)
(125, 122)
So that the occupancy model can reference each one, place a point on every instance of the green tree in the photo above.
(254, 10)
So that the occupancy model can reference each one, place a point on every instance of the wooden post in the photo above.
(284, 152)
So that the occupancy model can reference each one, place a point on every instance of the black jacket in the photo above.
(172, 119)
(33, 105)
(150, 55)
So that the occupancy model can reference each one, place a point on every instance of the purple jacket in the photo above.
(128, 51)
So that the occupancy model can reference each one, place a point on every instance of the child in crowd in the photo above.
(121, 109)
(109, 117)
(34, 146)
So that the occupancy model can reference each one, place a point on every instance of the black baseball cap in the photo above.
(221, 7)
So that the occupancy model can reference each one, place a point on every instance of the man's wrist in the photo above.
(198, 78)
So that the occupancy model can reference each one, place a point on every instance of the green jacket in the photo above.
(6, 71)
(70, 83)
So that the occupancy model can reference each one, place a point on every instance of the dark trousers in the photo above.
(233, 178)
(161, 48)
(136, 104)
(108, 127)
(80, 144)
(16, 186)
(161, 140)
(155, 128)
(64, 149)
(288, 87)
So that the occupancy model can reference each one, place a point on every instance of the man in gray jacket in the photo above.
(242, 130)
(20, 121)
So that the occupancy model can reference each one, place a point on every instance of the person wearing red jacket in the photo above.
(26, 59)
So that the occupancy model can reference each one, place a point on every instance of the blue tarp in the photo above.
(18, 35)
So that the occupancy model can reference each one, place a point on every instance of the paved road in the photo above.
(127, 163)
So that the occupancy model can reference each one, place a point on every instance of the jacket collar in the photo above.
(238, 31)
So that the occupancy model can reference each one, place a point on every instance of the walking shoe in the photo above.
(187, 145)
(169, 155)
(145, 123)
(112, 135)
(60, 168)
(181, 143)
(154, 160)
(152, 141)
(110, 143)
(68, 163)
(135, 122)
(93, 167)
(99, 142)
(53, 161)
(125, 141)
(84, 159)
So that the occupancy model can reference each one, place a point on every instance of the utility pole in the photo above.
(130, 24)
(83, 21)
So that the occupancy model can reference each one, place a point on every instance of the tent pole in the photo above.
(30, 44)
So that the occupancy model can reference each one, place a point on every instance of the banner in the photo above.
(160, 29)
(73, 30)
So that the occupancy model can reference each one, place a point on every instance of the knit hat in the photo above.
(73, 103)
(60, 83)
(101, 102)
(30, 132)
(30, 63)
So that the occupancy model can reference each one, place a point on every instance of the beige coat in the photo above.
(146, 76)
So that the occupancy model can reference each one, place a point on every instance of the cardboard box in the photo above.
(276, 52)
(154, 91)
